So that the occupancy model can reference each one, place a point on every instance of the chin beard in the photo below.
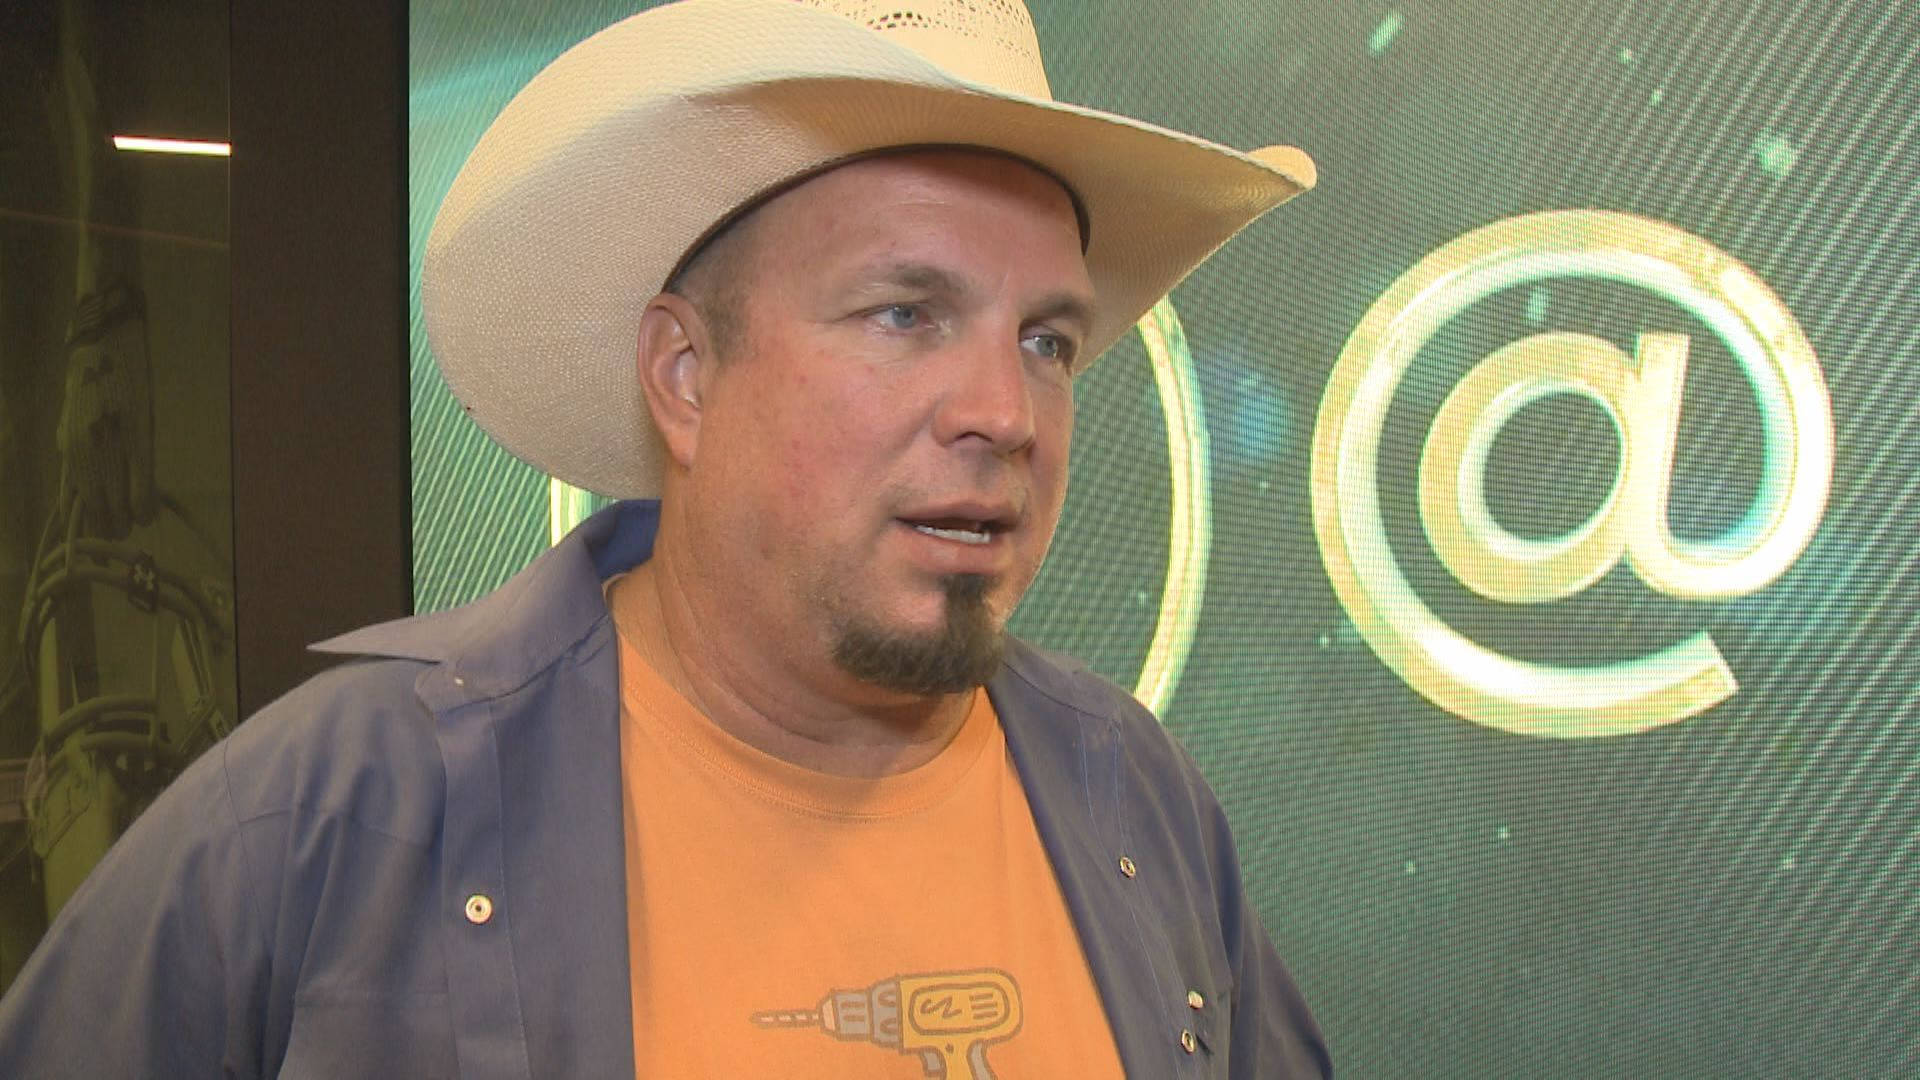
(961, 655)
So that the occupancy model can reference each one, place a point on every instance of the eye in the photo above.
(1051, 346)
(902, 317)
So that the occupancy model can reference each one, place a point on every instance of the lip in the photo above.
(941, 554)
(999, 517)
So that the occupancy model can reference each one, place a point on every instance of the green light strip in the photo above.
(1190, 530)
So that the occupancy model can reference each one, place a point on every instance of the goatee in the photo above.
(961, 655)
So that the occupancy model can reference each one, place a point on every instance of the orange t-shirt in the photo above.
(789, 923)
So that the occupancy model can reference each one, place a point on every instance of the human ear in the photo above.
(674, 344)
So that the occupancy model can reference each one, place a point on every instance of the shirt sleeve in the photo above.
(154, 966)
(1273, 1033)
(1270, 1031)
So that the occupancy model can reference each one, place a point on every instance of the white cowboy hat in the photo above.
(624, 153)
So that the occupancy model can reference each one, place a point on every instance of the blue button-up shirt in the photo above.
(413, 865)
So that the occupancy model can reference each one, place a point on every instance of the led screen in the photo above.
(1518, 528)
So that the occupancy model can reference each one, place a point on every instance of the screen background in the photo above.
(1731, 894)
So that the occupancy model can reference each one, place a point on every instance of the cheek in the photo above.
(813, 441)
(1053, 442)
(1053, 446)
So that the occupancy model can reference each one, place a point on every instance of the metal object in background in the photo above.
(120, 657)
(116, 666)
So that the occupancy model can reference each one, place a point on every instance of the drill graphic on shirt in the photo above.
(948, 1018)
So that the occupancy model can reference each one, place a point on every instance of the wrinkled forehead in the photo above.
(762, 200)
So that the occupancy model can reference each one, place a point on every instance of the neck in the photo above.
(755, 687)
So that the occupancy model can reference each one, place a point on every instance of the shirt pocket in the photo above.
(374, 1036)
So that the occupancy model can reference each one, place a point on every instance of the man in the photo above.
(714, 788)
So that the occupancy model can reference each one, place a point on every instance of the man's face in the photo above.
(882, 456)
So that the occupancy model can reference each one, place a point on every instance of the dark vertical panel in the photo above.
(321, 529)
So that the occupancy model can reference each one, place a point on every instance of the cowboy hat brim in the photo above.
(617, 158)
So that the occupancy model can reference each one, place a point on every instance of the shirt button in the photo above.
(1127, 867)
(1194, 1000)
(1186, 1041)
(479, 908)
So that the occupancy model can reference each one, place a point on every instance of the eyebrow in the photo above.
(937, 279)
(1064, 305)
(924, 276)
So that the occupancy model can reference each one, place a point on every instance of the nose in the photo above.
(988, 397)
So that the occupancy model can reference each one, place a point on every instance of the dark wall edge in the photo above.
(322, 518)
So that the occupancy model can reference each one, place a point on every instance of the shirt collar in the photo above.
(501, 640)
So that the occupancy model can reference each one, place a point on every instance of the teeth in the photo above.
(965, 536)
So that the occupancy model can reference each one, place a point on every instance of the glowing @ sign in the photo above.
(1640, 394)
(1189, 529)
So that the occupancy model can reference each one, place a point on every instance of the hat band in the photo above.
(727, 220)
